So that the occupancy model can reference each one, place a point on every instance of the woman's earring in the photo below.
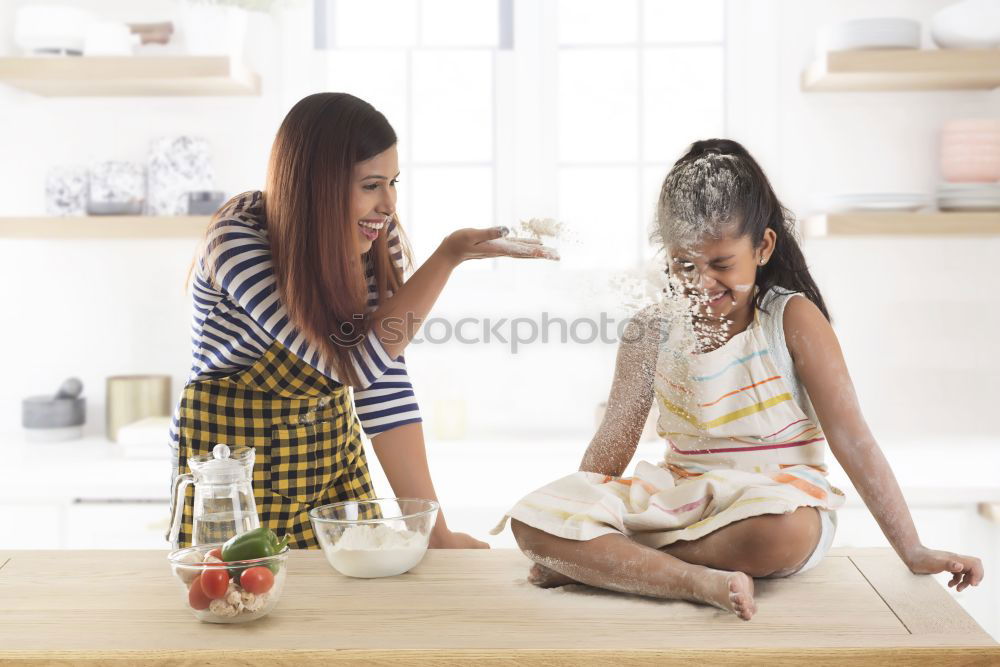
(763, 261)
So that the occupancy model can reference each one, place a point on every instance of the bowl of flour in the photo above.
(382, 537)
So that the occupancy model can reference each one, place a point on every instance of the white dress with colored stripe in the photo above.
(742, 440)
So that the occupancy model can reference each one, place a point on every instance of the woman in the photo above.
(298, 295)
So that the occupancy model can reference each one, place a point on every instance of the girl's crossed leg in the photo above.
(715, 569)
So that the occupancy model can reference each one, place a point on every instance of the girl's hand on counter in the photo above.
(450, 540)
(485, 243)
(965, 570)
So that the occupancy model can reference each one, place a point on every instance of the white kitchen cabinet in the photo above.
(116, 524)
(91, 496)
(30, 525)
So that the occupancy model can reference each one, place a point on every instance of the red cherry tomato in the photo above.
(217, 552)
(257, 580)
(214, 583)
(196, 596)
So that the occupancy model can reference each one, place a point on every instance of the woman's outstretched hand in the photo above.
(493, 242)
(450, 540)
(965, 570)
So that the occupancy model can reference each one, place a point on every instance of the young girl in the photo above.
(750, 385)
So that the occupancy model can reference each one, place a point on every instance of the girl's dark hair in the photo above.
(718, 181)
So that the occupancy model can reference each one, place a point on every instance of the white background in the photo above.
(573, 122)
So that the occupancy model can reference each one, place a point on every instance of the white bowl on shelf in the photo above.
(875, 33)
(971, 24)
(51, 29)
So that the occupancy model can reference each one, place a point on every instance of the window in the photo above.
(436, 85)
(637, 81)
(566, 108)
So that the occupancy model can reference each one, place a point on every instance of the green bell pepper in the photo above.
(257, 543)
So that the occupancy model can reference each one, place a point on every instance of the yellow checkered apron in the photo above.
(304, 431)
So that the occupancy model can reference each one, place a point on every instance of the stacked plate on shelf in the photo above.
(970, 165)
(877, 33)
(968, 197)
(873, 201)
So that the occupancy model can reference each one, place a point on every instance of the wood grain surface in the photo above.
(470, 607)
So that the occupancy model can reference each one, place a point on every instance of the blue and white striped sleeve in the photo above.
(390, 401)
(240, 257)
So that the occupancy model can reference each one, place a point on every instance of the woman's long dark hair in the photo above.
(314, 246)
(718, 181)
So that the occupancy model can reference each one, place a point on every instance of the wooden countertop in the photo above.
(859, 606)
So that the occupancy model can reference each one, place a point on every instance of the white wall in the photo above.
(98, 308)
(915, 316)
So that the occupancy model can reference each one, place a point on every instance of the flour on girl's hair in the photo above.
(697, 200)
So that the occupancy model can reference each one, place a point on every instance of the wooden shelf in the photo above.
(902, 224)
(904, 69)
(104, 227)
(63, 76)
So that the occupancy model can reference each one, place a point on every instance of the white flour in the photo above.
(671, 314)
(673, 305)
(375, 550)
(539, 227)
(522, 248)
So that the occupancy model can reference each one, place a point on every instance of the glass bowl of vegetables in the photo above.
(235, 582)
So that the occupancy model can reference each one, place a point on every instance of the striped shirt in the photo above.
(239, 314)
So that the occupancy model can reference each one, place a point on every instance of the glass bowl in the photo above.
(382, 537)
(232, 596)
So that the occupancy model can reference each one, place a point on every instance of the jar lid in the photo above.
(221, 467)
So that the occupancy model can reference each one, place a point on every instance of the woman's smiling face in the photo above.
(720, 272)
(373, 196)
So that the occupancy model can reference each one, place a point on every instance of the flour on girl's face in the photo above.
(673, 313)
(679, 309)
(698, 223)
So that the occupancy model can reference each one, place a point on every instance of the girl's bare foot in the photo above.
(545, 577)
(732, 591)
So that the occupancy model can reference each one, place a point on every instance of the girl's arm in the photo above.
(631, 395)
(404, 459)
(820, 365)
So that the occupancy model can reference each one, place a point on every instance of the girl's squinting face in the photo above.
(373, 196)
(721, 272)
